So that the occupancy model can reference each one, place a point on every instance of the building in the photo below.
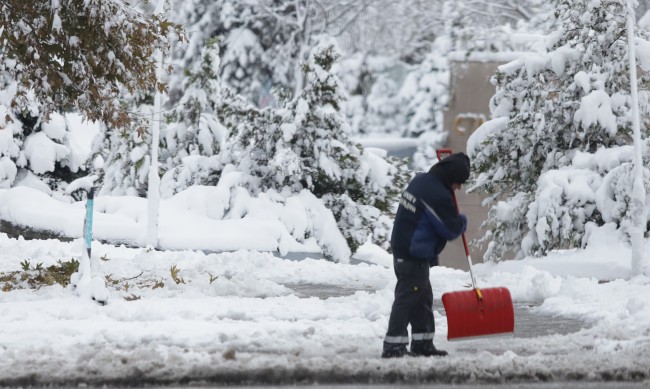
(468, 107)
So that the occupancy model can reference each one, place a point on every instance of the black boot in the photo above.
(425, 348)
(393, 350)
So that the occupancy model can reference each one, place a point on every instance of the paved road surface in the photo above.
(527, 320)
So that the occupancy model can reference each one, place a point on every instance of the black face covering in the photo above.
(453, 169)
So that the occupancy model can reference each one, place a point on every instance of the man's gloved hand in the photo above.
(464, 219)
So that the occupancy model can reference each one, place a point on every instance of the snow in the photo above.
(41, 152)
(236, 289)
(486, 129)
(388, 143)
(643, 53)
(596, 107)
(486, 56)
(240, 311)
(65, 139)
(85, 183)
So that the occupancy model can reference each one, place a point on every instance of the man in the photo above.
(426, 219)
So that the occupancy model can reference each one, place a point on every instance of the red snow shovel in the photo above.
(477, 312)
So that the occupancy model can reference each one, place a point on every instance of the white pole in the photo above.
(153, 190)
(638, 190)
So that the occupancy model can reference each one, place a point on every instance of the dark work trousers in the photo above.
(413, 303)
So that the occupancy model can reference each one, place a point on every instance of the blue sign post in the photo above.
(88, 222)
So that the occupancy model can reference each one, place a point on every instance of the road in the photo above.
(527, 320)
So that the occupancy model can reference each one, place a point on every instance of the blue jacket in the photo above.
(426, 218)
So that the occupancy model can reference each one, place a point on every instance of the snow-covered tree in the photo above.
(35, 150)
(123, 159)
(193, 136)
(307, 146)
(388, 96)
(372, 83)
(549, 109)
(10, 135)
(244, 36)
(262, 42)
(424, 93)
(490, 26)
(75, 55)
(405, 29)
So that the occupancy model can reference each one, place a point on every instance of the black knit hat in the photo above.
(453, 169)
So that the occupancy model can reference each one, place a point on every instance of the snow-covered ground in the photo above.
(244, 317)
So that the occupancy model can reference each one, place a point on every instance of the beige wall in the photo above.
(470, 94)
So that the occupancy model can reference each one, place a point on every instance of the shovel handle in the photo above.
(442, 153)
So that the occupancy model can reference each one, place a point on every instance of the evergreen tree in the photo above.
(339, 171)
(34, 148)
(405, 29)
(307, 146)
(373, 105)
(11, 139)
(193, 129)
(125, 156)
(424, 93)
(489, 26)
(246, 64)
(254, 41)
(547, 109)
(261, 43)
(46, 153)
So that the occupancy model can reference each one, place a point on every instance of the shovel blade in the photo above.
(469, 316)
